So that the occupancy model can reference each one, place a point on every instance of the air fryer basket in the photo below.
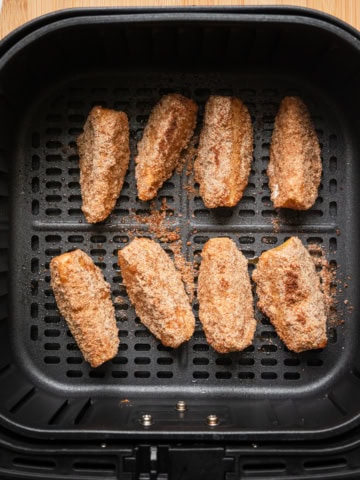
(52, 73)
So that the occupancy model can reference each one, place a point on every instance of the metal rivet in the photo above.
(181, 406)
(212, 420)
(146, 420)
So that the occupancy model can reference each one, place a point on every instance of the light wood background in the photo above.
(16, 12)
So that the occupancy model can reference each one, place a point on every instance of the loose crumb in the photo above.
(185, 268)
(327, 275)
(158, 223)
(119, 300)
(267, 240)
(276, 224)
(187, 158)
(191, 190)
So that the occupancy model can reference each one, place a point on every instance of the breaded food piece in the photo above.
(167, 133)
(225, 299)
(294, 169)
(155, 289)
(225, 153)
(104, 154)
(289, 293)
(84, 300)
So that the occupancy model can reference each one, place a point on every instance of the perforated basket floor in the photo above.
(265, 390)
(55, 224)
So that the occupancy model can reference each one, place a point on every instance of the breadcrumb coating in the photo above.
(104, 154)
(155, 289)
(167, 133)
(289, 293)
(226, 308)
(84, 300)
(225, 153)
(295, 167)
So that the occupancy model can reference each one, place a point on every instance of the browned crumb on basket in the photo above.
(267, 240)
(185, 268)
(190, 163)
(191, 191)
(119, 300)
(342, 286)
(190, 153)
(327, 274)
(187, 157)
(159, 224)
(276, 224)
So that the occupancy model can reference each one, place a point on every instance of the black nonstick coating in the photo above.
(266, 390)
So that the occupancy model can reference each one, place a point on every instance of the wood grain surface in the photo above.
(16, 12)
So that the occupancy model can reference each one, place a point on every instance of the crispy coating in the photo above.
(83, 298)
(166, 135)
(289, 293)
(222, 166)
(294, 169)
(155, 289)
(225, 299)
(104, 159)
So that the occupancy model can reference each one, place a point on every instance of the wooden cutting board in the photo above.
(16, 12)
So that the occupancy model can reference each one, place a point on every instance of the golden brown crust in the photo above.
(155, 289)
(223, 162)
(289, 293)
(166, 135)
(83, 298)
(295, 164)
(225, 299)
(104, 159)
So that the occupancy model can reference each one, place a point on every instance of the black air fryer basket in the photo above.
(278, 414)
